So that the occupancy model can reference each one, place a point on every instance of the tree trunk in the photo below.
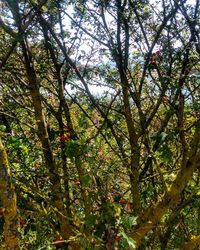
(154, 214)
(9, 203)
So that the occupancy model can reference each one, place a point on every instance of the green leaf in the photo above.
(159, 136)
(2, 128)
(14, 142)
(128, 221)
(117, 198)
(71, 148)
(198, 192)
(44, 8)
(86, 180)
(24, 149)
(165, 154)
(91, 220)
(129, 240)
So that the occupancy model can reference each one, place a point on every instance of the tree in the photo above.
(118, 166)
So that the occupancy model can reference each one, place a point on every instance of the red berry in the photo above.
(64, 138)
(22, 221)
(123, 202)
(2, 210)
(158, 53)
(118, 238)
(165, 99)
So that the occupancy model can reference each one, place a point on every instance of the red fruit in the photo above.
(129, 207)
(165, 99)
(123, 202)
(64, 138)
(22, 221)
(118, 238)
(2, 210)
(158, 53)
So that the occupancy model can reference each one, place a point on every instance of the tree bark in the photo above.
(194, 243)
(154, 214)
(9, 202)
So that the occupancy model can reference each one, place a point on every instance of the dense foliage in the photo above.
(100, 124)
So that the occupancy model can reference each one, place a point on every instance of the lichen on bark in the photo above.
(9, 203)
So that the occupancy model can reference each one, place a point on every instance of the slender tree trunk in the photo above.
(135, 156)
(9, 202)
(57, 193)
(122, 63)
(154, 214)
